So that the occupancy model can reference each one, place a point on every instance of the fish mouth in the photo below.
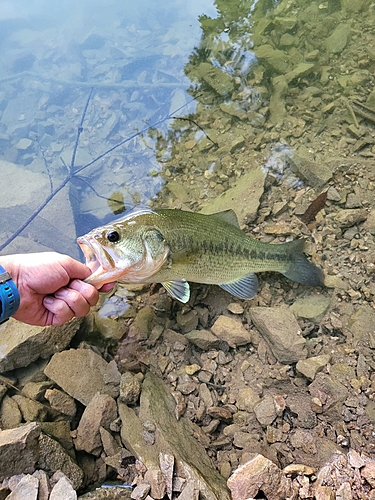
(99, 260)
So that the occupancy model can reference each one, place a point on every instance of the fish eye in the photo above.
(113, 236)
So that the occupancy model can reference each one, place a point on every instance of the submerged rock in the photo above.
(243, 198)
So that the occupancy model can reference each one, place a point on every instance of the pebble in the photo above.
(311, 307)
(235, 308)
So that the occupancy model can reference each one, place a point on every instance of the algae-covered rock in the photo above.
(219, 81)
(277, 59)
(338, 39)
(243, 198)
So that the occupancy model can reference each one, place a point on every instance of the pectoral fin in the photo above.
(179, 290)
(244, 288)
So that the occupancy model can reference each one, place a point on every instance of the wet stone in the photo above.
(100, 412)
(61, 402)
(18, 450)
(82, 373)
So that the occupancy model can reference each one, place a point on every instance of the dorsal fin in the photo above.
(228, 216)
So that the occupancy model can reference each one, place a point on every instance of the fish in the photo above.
(174, 247)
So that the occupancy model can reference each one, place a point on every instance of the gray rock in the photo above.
(280, 329)
(100, 412)
(311, 307)
(44, 489)
(309, 367)
(63, 490)
(231, 330)
(10, 414)
(316, 174)
(22, 344)
(82, 373)
(53, 457)
(27, 488)
(18, 450)
(24, 144)
(173, 437)
(259, 474)
(61, 402)
(206, 340)
(265, 411)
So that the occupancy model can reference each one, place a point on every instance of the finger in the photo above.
(60, 310)
(89, 292)
(107, 287)
(74, 300)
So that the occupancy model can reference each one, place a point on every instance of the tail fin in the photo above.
(301, 270)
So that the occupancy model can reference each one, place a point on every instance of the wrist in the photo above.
(9, 295)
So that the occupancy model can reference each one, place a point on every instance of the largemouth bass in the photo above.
(173, 247)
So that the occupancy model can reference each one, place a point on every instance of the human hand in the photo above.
(51, 288)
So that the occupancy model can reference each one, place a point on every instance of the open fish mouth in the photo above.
(100, 262)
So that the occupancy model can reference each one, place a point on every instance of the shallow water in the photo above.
(238, 74)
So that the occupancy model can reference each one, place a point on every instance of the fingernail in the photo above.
(48, 301)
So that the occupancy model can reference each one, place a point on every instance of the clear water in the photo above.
(252, 82)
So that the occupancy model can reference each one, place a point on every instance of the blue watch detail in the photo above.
(9, 296)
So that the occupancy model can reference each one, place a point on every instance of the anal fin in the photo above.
(244, 288)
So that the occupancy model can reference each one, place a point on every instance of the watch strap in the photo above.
(9, 296)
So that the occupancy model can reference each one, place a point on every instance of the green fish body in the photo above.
(174, 247)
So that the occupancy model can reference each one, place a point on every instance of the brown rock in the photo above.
(82, 373)
(368, 472)
(22, 344)
(231, 330)
(31, 410)
(18, 450)
(100, 412)
(61, 402)
(259, 474)
(324, 493)
(280, 329)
